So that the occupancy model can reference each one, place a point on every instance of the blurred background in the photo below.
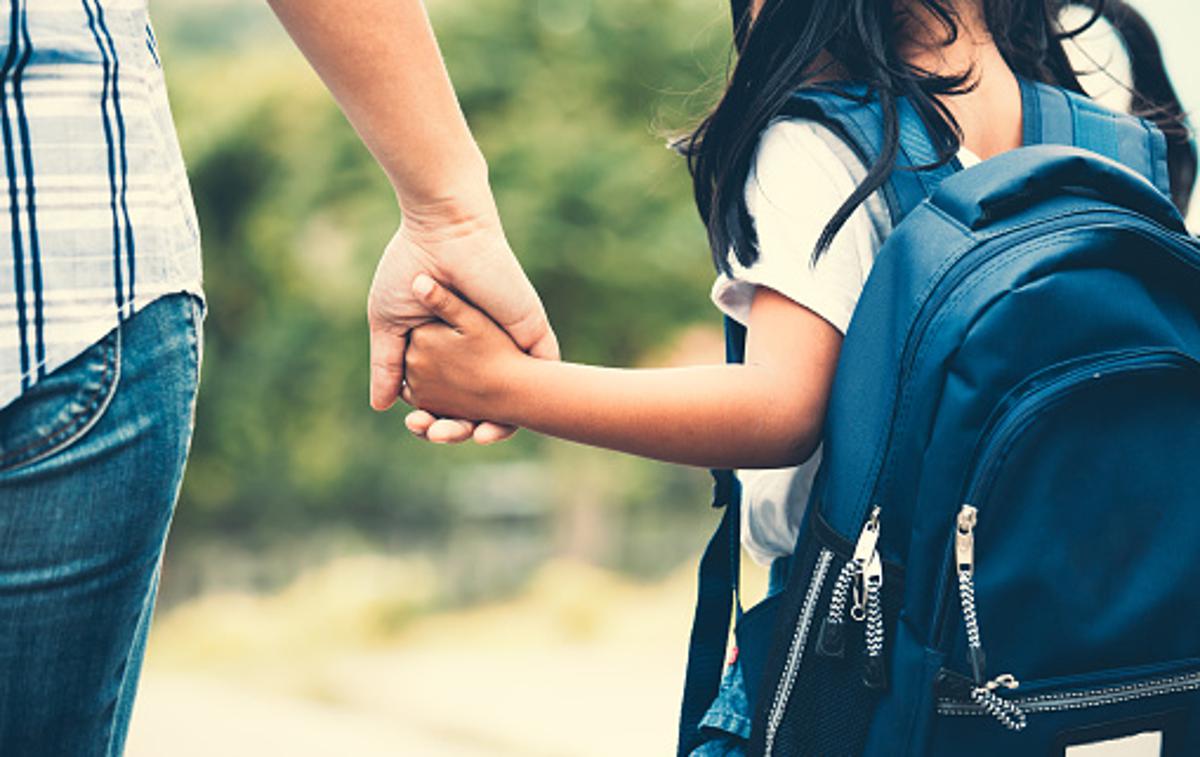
(334, 586)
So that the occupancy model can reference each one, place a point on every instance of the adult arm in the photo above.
(381, 61)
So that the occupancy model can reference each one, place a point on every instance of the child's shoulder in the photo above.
(793, 148)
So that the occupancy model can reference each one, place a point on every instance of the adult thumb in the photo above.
(544, 345)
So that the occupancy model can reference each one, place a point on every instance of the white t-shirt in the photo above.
(801, 175)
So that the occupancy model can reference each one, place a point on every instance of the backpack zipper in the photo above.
(783, 691)
(964, 553)
(861, 576)
(1076, 700)
(874, 672)
(831, 637)
(997, 439)
(983, 693)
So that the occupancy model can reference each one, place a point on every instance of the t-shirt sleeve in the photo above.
(799, 179)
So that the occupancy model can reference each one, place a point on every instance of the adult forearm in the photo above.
(381, 61)
(668, 414)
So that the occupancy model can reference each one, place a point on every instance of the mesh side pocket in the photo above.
(829, 707)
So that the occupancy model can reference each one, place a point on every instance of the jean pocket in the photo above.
(61, 408)
(199, 310)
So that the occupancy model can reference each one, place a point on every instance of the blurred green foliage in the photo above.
(571, 101)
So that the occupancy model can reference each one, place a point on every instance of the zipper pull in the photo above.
(874, 671)
(868, 538)
(964, 555)
(1009, 713)
(831, 639)
(1008, 681)
(863, 553)
(964, 539)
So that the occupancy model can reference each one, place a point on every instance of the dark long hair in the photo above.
(781, 51)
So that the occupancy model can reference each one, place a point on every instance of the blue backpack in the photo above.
(1011, 464)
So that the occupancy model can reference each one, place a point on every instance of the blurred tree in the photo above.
(567, 98)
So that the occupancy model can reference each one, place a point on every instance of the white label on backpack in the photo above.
(1148, 744)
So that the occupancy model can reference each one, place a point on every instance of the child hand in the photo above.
(460, 365)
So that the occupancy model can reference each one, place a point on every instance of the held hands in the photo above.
(463, 245)
(462, 365)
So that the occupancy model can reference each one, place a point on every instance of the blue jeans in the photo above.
(91, 460)
(727, 724)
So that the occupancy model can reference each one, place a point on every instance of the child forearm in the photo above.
(668, 414)
(766, 413)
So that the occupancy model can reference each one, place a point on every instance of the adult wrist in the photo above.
(456, 195)
(446, 224)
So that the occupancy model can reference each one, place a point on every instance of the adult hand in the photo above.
(381, 61)
(465, 364)
(462, 245)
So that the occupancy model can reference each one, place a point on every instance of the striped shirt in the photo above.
(96, 216)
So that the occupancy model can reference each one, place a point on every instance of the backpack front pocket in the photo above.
(1071, 557)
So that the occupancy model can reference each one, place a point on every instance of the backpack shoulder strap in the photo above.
(718, 595)
(1052, 115)
(1056, 116)
(856, 117)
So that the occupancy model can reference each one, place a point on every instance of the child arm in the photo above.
(765, 413)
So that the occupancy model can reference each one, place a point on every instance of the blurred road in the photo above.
(583, 664)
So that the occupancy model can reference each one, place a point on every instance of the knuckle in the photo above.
(441, 300)
(419, 341)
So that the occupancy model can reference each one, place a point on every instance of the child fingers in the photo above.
(450, 431)
(491, 433)
(438, 430)
(418, 422)
(443, 303)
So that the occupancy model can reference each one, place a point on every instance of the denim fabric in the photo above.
(727, 722)
(726, 725)
(91, 461)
